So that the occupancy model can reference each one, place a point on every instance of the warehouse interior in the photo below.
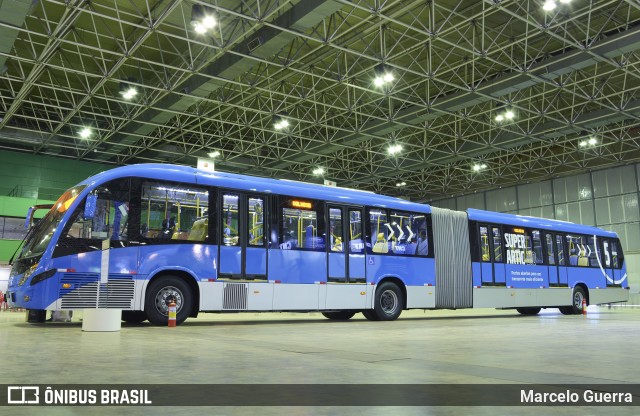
(524, 107)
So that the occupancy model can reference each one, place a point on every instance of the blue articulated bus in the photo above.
(138, 237)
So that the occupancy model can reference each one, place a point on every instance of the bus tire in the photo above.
(528, 311)
(370, 315)
(339, 315)
(388, 301)
(159, 293)
(576, 302)
(134, 317)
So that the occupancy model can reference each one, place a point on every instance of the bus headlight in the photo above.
(27, 274)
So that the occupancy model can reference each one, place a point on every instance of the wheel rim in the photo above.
(577, 299)
(163, 297)
(389, 302)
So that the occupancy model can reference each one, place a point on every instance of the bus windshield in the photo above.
(40, 236)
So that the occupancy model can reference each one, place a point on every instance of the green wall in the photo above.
(45, 177)
(41, 180)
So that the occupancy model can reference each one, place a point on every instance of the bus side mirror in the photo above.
(90, 206)
(27, 221)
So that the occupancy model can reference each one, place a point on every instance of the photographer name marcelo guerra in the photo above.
(587, 397)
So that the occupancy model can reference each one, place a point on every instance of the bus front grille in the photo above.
(235, 296)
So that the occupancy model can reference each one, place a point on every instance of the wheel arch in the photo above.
(584, 288)
(182, 274)
(398, 282)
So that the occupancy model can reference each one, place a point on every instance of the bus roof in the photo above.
(256, 184)
(535, 222)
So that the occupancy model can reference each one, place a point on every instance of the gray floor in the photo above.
(468, 346)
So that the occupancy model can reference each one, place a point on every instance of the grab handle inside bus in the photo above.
(90, 206)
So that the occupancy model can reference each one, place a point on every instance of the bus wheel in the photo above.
(387, 304)
(134, 317)
(370, 314)
(576, 304)
(528, 311)
(160, 293)
(339, 316)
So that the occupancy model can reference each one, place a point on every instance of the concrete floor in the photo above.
(467, 346)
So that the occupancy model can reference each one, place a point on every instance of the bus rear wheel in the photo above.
(528, 311)
(576, 304)
(134, 317)
(387, 304)
(161, 292)
(339, 315)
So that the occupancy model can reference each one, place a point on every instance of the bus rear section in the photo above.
(532, 263)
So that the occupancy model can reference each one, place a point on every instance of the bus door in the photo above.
(554, 269)
(485, 255)
(499, 271)
(346, 258)
(561, 260)
(610, 261)
(243, 248)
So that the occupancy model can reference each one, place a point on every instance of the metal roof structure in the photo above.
(569, 75)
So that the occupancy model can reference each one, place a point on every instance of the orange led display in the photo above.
(301, 204)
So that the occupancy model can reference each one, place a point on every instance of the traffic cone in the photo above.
(584, 306)
(172, 314)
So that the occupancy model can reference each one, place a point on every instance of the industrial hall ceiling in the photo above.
(423, 99)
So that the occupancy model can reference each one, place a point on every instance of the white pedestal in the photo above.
(101, 320)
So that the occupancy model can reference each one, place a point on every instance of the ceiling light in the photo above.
(318, 171)
(208, 22)
(499, 118)
(199, 28)
(281, 124)
(565, 1)
(395, 148)
(378, 81)
(509, 115)
(583, 143)
(214, 154)
(549, 5)
(388, 77)
(85, 133)
(479, 166)
(593, 141)
(403, 183)
(129, 93)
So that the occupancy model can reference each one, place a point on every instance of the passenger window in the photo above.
(617, 263)
(256, 222)
(577, 251)
(173, 212)
(380, 232)
(593, 252)
(229, 220)
(551, 258)
(560, 252)
(301, 229)
(497, 245)
(356, 240)
(335, 230)
(484, 243)
(537, 248)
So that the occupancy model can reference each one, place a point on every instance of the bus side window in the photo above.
(497, 244)
(256, 222)
(302, 226)
(560, 252)
(537, 248)
(229, 220)
(551, 258)
(356, 239)
(593, 251)
(379, 232)
(484, 243)
(617, 264)
(171, 212)
(335, 230)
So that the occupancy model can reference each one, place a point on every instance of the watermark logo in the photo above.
(23, 395)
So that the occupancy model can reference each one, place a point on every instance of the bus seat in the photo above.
(381, 245)
(199, 230)
(573, 260)
(583, 261)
